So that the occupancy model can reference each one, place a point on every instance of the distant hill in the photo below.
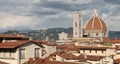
(114, 34)
(52, 33)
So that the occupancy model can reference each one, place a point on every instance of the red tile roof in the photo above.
(44, 43)
(94, 58)
(107, 40)
(92, 47)
(72, 49)
(43, 61)
(10, 45)
(67, 55)
(96, 23)
(117, 61)
(65, 46)
(12, 36)
(83, 57)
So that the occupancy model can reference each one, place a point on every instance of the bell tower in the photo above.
(77, 25)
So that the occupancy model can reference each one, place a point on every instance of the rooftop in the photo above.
(11, 45)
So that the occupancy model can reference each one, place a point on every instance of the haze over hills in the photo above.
(52, 33)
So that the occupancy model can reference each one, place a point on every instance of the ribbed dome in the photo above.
(95, 23)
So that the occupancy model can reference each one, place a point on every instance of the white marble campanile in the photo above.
(77, 25)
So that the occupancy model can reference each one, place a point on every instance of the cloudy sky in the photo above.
(43, 14)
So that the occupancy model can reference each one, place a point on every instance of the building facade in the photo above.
(77, 25)
(19, 52)
(95, 27)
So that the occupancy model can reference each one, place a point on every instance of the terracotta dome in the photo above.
(95, 23)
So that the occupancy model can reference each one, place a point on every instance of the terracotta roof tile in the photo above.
(11, 45)
(92, 47)
(12, 36)
(72, 49)
(111, 40)
(117, 47)
(44, 43)
(117, 61)
(42, 61)
(94, 58)
(96, 23)
(67, 56)
(83, 57)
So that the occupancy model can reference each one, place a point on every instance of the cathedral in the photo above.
(95, 28)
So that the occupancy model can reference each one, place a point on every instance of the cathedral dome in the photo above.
(95, 23)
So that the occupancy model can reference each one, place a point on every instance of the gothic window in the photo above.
(76, 24)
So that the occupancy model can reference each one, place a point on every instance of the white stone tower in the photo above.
(77, 25)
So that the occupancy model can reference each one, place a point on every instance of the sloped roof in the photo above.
(12, 36)
(11, 45)
(92, 47)
(107, 40)
(83, 57)
(43, 61)
(117, 61)
(67, 55)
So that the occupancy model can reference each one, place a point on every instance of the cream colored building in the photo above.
(64, 38)
(19, 52)
(98, 51)
(48, 49)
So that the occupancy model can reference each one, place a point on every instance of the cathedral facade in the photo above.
(94, 28)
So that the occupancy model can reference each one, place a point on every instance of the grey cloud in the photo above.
(112, 1)
(61, 5)
(54, 8)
